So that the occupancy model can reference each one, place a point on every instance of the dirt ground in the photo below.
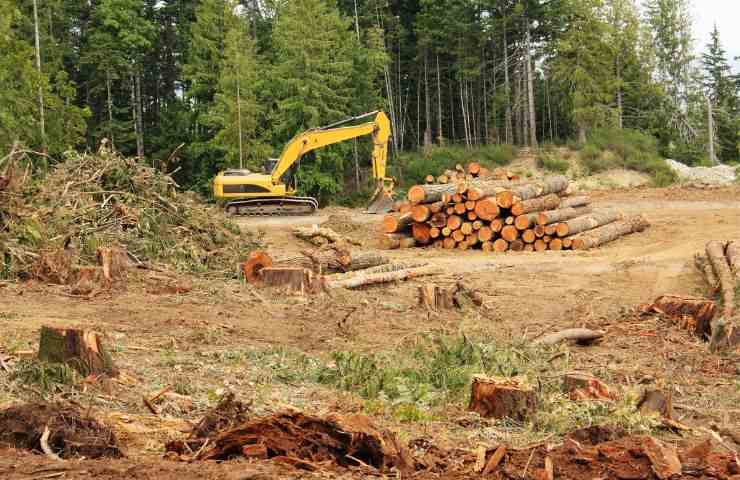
(230, 336)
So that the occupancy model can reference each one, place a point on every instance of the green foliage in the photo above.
(46, 378)
(413, 167)
(551, 162)
(630, 149)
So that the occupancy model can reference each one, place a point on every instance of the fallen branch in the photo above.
(580, 335)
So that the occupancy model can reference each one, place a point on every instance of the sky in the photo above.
(726, 13)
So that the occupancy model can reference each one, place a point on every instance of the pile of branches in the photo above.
(501, 215)
(89, 200)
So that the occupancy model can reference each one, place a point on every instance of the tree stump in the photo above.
(501, 398)
(83, 350)
(252, 268)
(583, 386)
(656, 401)
(296, 280)
(690, 313)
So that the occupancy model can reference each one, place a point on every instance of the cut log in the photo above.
(587, 222)
(437, 207)
(497, 225)
(397, 223)
(256, 261)
(460, 208)
(438, 220)
(454, 222)
(446, 231)
(509, 233)
(486, 209)
(509, 220)
(467, 228)
(548, 202)
(539, 231)
(577, 201)
(435, 232)
(732, 252)
(443, 179)
(421, 234)
(551, 230)
(500, 245)
(420, 213)
(501, 398)
(528, 236)
(449, 243)
(529, 247)
(295, 280)
(472, 216)
(83, 350)
(529, 191)
(474, 168)
(691, 313)
(580, 335)
(393, 241)
(450, 210)
(457, 198)
(405, 207)
(540, 245)
(485, 234)
(516, 246)
(495, 460)
(359, 279)
(463, 245)
(429, 179)
(469, 205)
(609, 232)
(555, 244)
(523, 222)
(567, 243)
(561, 214)
(472, 239)
(429, 193)
(703, 265)
(716, 256)
(458, 236)
(487, 246)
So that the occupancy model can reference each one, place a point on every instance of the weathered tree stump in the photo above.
(656, 401)
(83, 350)
(296, 280)
(501, 398)
(691, 313)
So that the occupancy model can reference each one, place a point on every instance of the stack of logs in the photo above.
(500, 215)
(474, 170)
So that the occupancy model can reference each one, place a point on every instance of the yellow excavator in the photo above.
(246, 193)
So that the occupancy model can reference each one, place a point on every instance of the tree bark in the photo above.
(296, 280)
(530, 91)
(139, 117)
(716, 256)
(42, 119)
(610, 232)
(83, 350)
(552, 216)
(555, 184)
(572, 202)
(492, 398)
(548, 202)
(359, 280)
(421, 233)
(587, 222)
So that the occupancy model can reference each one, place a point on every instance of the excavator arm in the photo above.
(379, 128)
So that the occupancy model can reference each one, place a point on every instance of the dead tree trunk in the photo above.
(610, 232)
(716, 256)
(359, 280)
(547, 186)
(578, 201)
(83, 350)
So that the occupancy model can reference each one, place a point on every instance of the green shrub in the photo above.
(630, 149)
(551, 162)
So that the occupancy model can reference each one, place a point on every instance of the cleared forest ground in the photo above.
(224, 335)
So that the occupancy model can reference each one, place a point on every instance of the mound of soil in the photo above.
(73, 433)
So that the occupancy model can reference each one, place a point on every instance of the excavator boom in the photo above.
(250, 193)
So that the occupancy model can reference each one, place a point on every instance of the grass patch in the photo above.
(551, 162)
(413, 167)
(630, 149)
(416, 383)
(45, 378)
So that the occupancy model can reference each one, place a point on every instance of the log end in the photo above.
(256, 261)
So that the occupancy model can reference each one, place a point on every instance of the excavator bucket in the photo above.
(381, 202)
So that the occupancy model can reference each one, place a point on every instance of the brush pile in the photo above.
(500, 215)
(92, 200)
